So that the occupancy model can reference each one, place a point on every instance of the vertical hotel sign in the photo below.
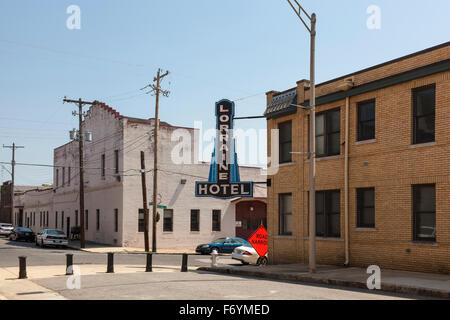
(224, 181)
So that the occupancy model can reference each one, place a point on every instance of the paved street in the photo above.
(47, 280)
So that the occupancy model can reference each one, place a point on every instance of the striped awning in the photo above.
(282, 104)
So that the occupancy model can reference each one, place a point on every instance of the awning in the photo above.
(282, 104)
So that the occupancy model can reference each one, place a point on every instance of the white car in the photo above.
(247, 255)
(51, 237)
(6, 229)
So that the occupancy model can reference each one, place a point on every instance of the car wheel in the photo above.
(262, 261)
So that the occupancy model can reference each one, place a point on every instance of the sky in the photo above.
(235, 49)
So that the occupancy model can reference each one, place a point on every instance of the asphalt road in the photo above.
(37, 256)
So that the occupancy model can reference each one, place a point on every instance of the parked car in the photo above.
(248, 255)
(20, 233)
(221, 245)
(6, 229)
(51, 237)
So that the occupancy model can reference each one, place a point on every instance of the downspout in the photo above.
(346, 180)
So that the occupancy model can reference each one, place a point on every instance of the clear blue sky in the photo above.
(215, 49)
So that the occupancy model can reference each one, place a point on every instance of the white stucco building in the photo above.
(113, 190)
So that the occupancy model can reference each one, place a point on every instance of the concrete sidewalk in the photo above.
(411, 283)
(104, 248)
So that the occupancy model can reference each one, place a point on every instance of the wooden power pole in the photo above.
(13, 164)
(144, 199)
(80, 136)
(156, 89)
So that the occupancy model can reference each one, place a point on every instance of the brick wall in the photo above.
(390, 164)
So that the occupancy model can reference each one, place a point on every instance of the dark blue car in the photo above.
(221, 245)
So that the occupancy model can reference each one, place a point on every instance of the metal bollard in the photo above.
(148, 267)
(110, 268)
(22, 267)
(214, 255)
(69, 264)
(184, 263)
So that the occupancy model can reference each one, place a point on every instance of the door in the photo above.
(68, 227)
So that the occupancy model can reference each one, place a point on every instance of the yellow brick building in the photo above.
(391, 189)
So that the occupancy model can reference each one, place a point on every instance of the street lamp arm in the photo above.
(298, 13)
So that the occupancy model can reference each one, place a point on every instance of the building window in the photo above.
(424, 105)
(366, 120)
(62, 220)
(86, 218)
(328, 133)
(116, 220)
(168, 220)
(98, 219)
(56, 219)
(216, 218)
(141, 221)
(40, 219)
(365, 199)
(63, 176)
(103, 165)
(285, 214)
(424, 212)
(285, 141)
(76, 218)
(195, 220)
(116, 161)
(57, 178)
(328, 213)
(34, 218)
(68, 175)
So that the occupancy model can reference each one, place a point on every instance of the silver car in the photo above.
(6, 229)
(51, 237)
(247, 255)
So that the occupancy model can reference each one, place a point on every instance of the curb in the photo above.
(386, 287)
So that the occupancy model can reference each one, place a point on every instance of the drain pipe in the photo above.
(346, 180)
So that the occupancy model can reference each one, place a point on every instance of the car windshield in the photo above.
(55, 232)
(24, 229)
(219, 240)
(5, 225)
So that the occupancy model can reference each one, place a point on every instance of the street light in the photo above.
(312, 135)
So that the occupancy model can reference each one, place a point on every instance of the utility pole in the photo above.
(13, 164)
(312, 135)
(144, 199)
(80, 135)
(156, 90)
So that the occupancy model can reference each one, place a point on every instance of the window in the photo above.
(86, 218)
(246, 224)
(103, 165)
(285, 214)
(76, 218)
(56, 219)
(116, 161)
(168, 220)
(57, 178)
(40, 218)
(195, 220)
(424, 212)
(328, 209)
(34, 218)
(62, 220)
(98, 219)
(116, 220)
(68, 175)
(328, 133)
(63, 176)
(141, 221)
(365, 199)
(47, 220)
(285, 141)
(216, 218)
(366, 120)
(424, 105)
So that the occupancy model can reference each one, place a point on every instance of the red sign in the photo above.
(259, 241)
